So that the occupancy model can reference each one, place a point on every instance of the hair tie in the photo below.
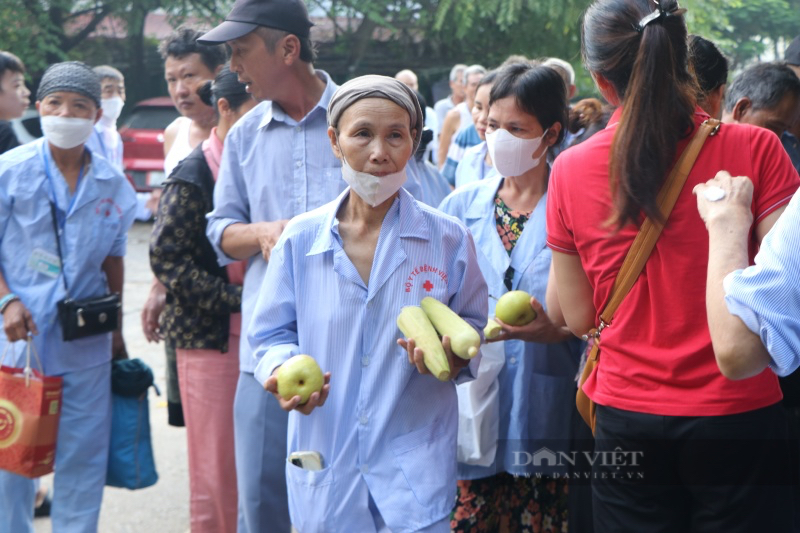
(659, 14)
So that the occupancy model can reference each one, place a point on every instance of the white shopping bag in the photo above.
(479, 409)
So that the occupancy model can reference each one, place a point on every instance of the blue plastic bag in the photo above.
(130, 461)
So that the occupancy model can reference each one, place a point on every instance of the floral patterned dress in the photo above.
(503, 502)
(510, 224)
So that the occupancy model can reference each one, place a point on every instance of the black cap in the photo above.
(247, 15)
(792, 55)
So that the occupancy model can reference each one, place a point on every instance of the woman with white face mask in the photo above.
(532, 384)
(336, 281)
(64, 216)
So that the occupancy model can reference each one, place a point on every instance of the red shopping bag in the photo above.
(30, 407)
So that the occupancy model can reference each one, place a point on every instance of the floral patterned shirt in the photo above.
(200, 298)
(510, 224)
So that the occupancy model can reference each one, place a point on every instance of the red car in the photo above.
(143, 142)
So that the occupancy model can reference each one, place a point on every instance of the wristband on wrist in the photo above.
(6, 300)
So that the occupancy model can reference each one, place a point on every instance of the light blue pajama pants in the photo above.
(259, 427)
(84, 434)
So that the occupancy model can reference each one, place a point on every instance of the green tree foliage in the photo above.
(746, 30)
(491, 30)
(35, 31)
(431, 35)
(427, 35)
(43, 32)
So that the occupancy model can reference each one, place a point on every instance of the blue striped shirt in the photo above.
(766, 296)
(273, 167)
(433, 187)
(386, 431)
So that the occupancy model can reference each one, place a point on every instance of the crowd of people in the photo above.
(300, 217)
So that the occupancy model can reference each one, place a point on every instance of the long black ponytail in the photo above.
(647, 64)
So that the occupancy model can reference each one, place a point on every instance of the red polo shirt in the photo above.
(657, 357)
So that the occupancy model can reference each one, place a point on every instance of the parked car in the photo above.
(143, 142)
(27, 128)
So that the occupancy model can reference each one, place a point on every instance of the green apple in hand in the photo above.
(299, 376)
(514, 308)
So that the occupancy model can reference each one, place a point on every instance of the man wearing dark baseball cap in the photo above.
(277, 163)
(247, 15)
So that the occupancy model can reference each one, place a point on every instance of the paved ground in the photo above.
(163, 508)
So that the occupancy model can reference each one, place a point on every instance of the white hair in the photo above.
(455, 72)
(473, 69)
(563, 65)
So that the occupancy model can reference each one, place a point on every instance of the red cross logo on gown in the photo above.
(428, 285)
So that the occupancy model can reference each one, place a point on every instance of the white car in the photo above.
(27, 128)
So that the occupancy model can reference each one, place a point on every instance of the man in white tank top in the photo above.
(181, 146)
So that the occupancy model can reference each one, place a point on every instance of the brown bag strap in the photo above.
(648, 234)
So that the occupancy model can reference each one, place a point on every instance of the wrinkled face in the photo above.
(184, 76)
(375, 137)
(256, 66)
(480, 109)
(777, 119)
(110, 88)
(14, 95)
(68, 104)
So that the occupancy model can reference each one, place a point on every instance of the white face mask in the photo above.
(511, 155)
(66, 132)
(373, 189)
(112, 107)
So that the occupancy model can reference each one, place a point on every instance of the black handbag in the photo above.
(87, 317)
(92, 316)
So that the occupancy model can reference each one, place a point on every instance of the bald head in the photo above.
(408, 78)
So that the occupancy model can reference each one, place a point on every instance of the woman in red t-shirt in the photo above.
(667, 418)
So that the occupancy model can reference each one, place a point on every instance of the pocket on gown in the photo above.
(427, 458)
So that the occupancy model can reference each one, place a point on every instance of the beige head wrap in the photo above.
(373, 86)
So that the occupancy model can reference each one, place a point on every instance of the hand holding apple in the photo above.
(541, 329)
(515, 308)
(299, 384)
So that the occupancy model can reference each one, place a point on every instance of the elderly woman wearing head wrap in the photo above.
(64, 216)
(382, 432)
